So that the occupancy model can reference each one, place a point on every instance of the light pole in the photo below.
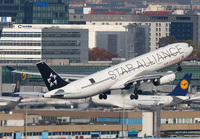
(26, 122)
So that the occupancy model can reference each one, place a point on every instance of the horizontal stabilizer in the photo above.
(71, 76)
(31, 93)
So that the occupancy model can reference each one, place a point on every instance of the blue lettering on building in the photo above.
(42, 4)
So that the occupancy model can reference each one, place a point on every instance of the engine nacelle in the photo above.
(165, 79)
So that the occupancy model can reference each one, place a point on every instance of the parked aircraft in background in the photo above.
(146, 101)
(126, 75)
(40, 102)
(194, 101)
(8, 103)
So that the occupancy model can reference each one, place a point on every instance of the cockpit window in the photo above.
(188, 45)
(92, 80)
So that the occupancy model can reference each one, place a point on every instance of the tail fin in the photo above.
(17, 87)
(51, 79)
(182, 88)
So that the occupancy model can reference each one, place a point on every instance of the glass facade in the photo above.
(182, 30)
(112, 41)
(137, 40)
(63, 43)
(35, 11)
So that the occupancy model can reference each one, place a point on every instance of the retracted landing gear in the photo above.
(135, 95)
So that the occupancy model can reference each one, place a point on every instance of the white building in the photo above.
(23, 43)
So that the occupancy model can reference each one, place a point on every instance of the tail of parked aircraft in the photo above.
(50, 77)
(17, 87)
(182, 88)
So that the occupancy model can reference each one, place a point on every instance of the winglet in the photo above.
(182, 88)
(50, 77)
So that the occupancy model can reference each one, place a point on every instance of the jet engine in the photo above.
(165, 79)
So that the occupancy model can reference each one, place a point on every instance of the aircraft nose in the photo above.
(190, 48)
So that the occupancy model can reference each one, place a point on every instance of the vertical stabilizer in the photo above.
(17, 87)
(50, 77)
(182, 88)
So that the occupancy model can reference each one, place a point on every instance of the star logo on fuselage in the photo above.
(52, 80)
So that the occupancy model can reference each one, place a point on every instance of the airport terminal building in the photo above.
(71, 124)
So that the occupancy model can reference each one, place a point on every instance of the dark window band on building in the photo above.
(61, 34)
(182, 18)
(21, 35)
(20, 52)
(61, 52)
(19, 44)
(158, 18)
(63, 43)
(36, 12)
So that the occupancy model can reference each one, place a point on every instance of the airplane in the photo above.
(144, 102)
(40, 102)
(194, 101)
(126, 75)
(8, 103)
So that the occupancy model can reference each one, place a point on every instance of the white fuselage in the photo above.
(8, 103)
(116, 76)
(146, 100)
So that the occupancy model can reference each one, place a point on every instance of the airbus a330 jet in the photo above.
(131, 73)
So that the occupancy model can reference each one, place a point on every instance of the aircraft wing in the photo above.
(30, 93)
(147, 76)
(65, 76)
(180, 98)
(8, 99)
